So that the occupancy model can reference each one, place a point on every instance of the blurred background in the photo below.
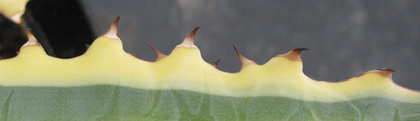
(345, 38)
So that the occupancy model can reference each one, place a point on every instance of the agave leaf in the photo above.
(107, 83)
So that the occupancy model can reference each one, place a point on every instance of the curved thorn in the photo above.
(215, 63)
(244, 60)
(189, 40)
(87, 46)
(387, 69)
(296, 51)
(158, 53)
(299, 50)
(135, 54)
(112, 32)
(294, 55)
(31, 39)
(385, 72)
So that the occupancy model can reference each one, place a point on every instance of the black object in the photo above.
(11, 38)
(60, 26)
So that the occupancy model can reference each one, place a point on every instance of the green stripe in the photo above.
(122, 103)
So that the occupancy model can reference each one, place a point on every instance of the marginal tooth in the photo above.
(244, 60)
(31, 39)
(87, 46)
(158, 53)
(293, 55)
(134, 54)
(112, 32)
(385, 72)
(189, 40)
(17, 17)
(215, 63)
(298, 50)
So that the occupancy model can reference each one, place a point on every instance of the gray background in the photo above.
(346, 37)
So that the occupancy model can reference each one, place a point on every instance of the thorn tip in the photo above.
(385, 72)
(135, 54)
(215, 63)
(387, 69)
(293, 55)
(299, 50)
(245, 61)
(158, 53)
(189, 40)
(112, 32)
